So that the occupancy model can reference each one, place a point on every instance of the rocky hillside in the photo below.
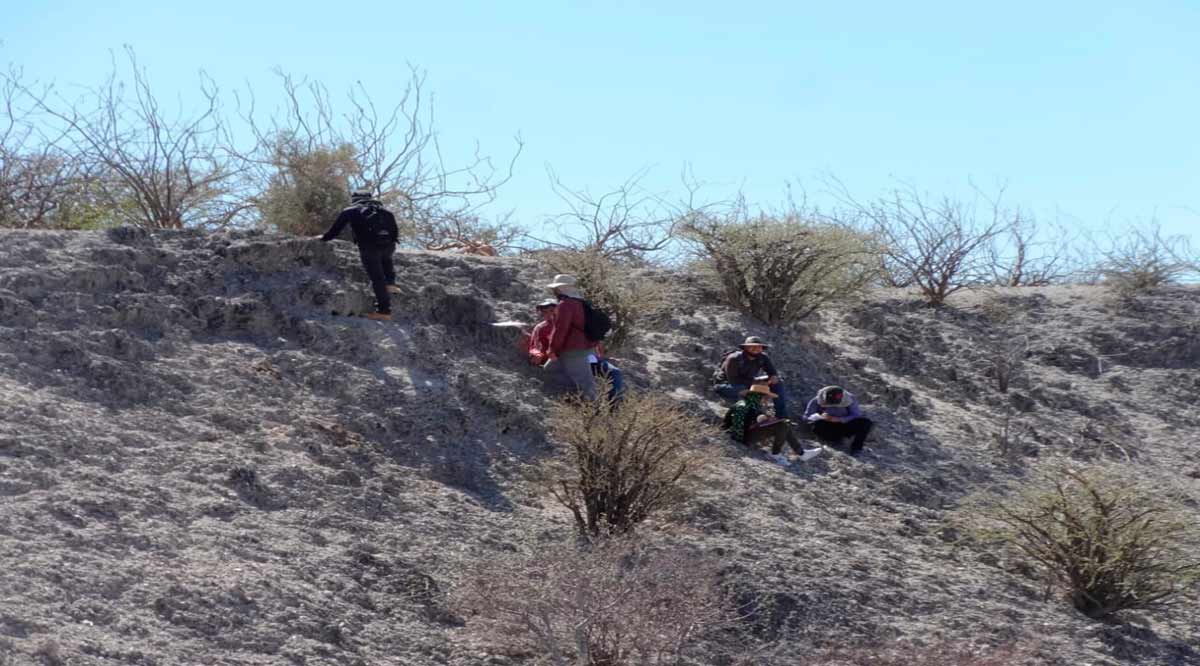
(203, 460)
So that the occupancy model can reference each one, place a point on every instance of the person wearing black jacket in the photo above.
(376, 234)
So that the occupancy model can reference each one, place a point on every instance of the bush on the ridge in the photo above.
(782, 270)
(624, 462)
(1111, 542)
(310, 187)
(606, 285)
(614, 602)
(1144, 259)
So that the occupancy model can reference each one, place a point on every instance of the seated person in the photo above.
(602, 368)
(834, 415)
(538, 349)
(539, 339)
(742, 368)
(748, 425)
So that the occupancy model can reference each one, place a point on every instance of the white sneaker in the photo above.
(811, 453)
(781, 458)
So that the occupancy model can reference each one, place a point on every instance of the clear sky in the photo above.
(1087, 109)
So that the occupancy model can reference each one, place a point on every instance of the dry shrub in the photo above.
(782, 270)
(606, 285)
(624, 462)
(1112, 542)
(615, 602)
(1144, 259)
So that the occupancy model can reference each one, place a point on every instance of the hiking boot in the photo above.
(380, 316)
(811, 453)
(781, 458)
(393, 289)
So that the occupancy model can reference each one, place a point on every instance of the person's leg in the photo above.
(858, 429)
(730, 391)
(557, 372)
(779, 435)
(389, 267)
(793, 440)
(372, 261)
(579, 369)
(781, 403)
(830, 433)
(615, 379)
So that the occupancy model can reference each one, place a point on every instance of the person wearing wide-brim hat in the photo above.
(742, 368)
(747, 424)
(569, 346)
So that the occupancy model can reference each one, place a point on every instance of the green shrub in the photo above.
(309, 187)
(624, 462)
(782, 270)
(1111, 542)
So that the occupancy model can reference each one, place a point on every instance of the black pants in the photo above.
(778, 432)
(378, 262)
(834, 433)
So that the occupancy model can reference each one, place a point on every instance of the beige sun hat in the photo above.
(764, 389)
(566, 285)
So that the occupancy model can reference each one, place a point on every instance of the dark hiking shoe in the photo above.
(380, 316)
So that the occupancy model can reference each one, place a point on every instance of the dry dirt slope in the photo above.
(200, 463)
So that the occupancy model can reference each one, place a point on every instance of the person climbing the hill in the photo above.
(569, 345)
(747, 424)
(739, 369)
(834, 415)
(376, 234)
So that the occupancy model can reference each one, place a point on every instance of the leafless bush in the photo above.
(938, 245)
(160, 170)
(1027, 254)
(615, 602)
(782, 269)
(626, 224)
(393, 152)
(607, 285)
(624, 462)
(1145, 258)
(1113, 543)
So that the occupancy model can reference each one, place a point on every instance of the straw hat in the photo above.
(566, 285)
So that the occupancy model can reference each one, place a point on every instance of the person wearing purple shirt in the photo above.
(834, 415)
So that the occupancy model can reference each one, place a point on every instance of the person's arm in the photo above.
(340, 223)
(729, 368)
(853, 411)
(769, 368)
(393, 230)
(813, 409)
(539, 343)
(564, 320)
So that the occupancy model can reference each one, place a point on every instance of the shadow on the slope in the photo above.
(1140, 644)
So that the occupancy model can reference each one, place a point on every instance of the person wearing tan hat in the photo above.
(569, 346)
(747, 424)
(742, 368)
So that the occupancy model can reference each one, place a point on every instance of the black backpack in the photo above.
(596, 323)
(375, 227)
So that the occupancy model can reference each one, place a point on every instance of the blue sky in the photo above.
(1087, 110)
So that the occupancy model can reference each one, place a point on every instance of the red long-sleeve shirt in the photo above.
(567, 333)
(539, 341)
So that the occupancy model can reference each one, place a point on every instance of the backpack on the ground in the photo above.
(376, 230)
(596, 323)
